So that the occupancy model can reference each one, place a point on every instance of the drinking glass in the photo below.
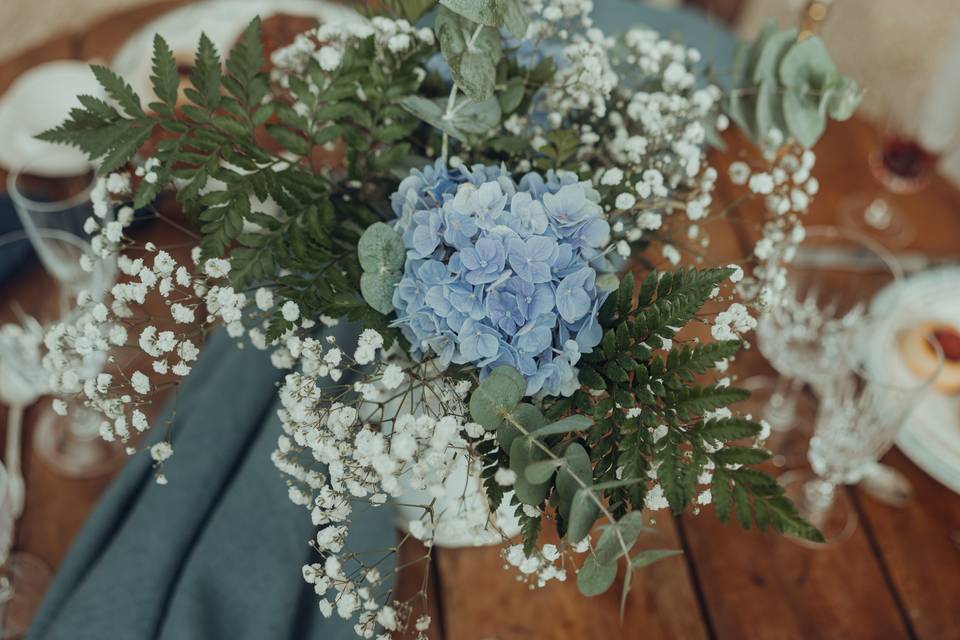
(70, 444)
(814, 305)
(780, 401)
(23, 577)
(902, 166)
(860, 413)
(62, 204)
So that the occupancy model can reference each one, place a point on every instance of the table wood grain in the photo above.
(898, 577)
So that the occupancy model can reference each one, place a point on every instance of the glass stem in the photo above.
(6, 591)
(878, 214)
(16, 487)
(818, 495)
(781, 409)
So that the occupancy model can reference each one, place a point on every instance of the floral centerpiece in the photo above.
(484, 199)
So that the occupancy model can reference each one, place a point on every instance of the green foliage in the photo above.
(788, 84)
(492, 13)
(381, 253)
(496, 396)
(472, 50)
(614, 452)
(211, 146)
(470, 118)
(410, 10)
(595, 578)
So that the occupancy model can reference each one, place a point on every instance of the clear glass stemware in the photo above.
(860, 414)
(814, 304)
(71, 445)
(23, 576)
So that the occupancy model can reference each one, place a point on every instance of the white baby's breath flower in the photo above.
(612, 177)
(290, 311)
(264, 299)
(140, 382)
(505, 477)
(625, 201)
(216, 267)
(393, 377)
(161, 451)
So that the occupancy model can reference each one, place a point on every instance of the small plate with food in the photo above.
(922, 307)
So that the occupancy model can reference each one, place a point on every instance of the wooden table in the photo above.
(898, 577)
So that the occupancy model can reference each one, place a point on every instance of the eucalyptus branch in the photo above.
(561, 463)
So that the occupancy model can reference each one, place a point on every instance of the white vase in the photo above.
(462, 515)
(465, 520)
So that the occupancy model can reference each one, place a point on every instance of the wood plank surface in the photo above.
(483, 601)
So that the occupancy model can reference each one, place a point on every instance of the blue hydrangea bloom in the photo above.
(500, 271)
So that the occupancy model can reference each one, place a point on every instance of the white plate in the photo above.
(38, 100)
(222, 20)
(931, 437)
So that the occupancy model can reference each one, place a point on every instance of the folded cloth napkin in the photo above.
(216, 553)
(13, 254)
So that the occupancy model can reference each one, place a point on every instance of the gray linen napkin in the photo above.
(217, 552)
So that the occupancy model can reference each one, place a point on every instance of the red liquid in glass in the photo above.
(904, 165)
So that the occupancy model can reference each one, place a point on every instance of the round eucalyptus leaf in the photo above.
(742, 109)
(471, 53)
(381, 249)
(752, 53)
(595, 578)
(577, 463)
(377, 289)
(772, 51)
(529, 417)
(493, 13)
(530, 493)
(496, 396)
(541, 471)
(584, 511)
(630, 526)
(476, 74)
(841, 98)
(431, 112)
(806, 64)
(803, 117)
(649, 556)
(515, 18)
(477, 117)
(524, 453)
(511, 97)
(769, 110)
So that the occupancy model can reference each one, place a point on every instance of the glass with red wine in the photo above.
(902, 166)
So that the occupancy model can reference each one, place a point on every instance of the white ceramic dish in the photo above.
(931, 437)
(222, 20)
(38, 100)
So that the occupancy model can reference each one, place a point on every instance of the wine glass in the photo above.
(71, 445)
(860, 413)
(802, 329)
(780, 401)
(61, 204)
(902, 166)
(23, 577)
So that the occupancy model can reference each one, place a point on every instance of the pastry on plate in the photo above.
(916, 350)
